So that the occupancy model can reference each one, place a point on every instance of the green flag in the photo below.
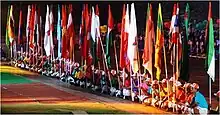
(184, 73)
(7, 41)
(211, 51)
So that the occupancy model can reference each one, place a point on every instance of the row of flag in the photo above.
(90, 32)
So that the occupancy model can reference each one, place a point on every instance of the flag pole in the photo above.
(104, 55)
(174, 56)
(210, 91)
(116, 62)
(165, 65)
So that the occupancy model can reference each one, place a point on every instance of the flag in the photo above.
(20, 29)
(47, 36)
(159, 43)
(10, 27)
(71, 33)
(86, 30)
(28, 26)
(81, 28)
(64, 47)
(132, 44)
(59, 32)
(7, 28)
(93, 25)
(184, 72)
(108, 36)
(32, 26)
(149, 38)
(98, 44)
(51, 31)
(211, 51)
(174, 30)
(124, 61)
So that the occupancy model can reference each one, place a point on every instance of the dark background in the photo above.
(199, 11)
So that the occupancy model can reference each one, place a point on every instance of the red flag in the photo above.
(98, 47)
(20, 29)
(71, 33)
(149, 38)
(31, 43)
(124, 62)
(65, 41)
(86, 17)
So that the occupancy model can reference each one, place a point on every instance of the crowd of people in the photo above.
(169, 94)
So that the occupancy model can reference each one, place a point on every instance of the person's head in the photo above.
(195, 87)
(164, 83)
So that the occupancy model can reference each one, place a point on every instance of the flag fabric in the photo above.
(81, 29)
(71, 33)
(47, 37)
(7, 28)
(98, 44)
(93, 25)
(64, 47)
(149, 38)
(51, 31)
(124, 61)
(86, 31)
(132, 44)
(59, 32)
(28, 26)
(20, 29)
(32, 26)
(108, 36)
(184, 72)
(10, 27)
(159, 43)
(211, 51)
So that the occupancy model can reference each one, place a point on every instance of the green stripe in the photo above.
(159, 20)
(8, 78)
(211, 42)
(6, 36)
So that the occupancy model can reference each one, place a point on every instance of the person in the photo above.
(216, 110)
(200, 102)
(114, 82)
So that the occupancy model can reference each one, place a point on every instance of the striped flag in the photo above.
(59, 32)
(7, 28)
(47, 37)
(98, 44)
(132, 45)
(64, 47)
(108, 37)
(28, 26)
(159, 43)
(211, 51)
(149, 38)
(32, 25)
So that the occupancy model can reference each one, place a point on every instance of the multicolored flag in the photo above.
(59, 32)
(149, 38)
(124, 61)
(108, 36)
(98, 43)
(47, 37)
(32, 26)
(132, 43)
(184, 72)
(7, 28)
(159, 43)
(10, 27)
(211, 51)
(28, 27)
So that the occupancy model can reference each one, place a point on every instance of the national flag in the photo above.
(51, 31)
(65, 41)
(86, 30)
(7, 28)
(184, 72)
(47, 37)
(20, 29)
(108, 36)
(149, 38)
(71, 33)
(28, 25)
(81, 28)
(32, 25)
(59, 32)
(132, 43)
(10, 27)
(124, 61)
(98, 44)
(159, 43)
(93, 25)
(211, 51)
